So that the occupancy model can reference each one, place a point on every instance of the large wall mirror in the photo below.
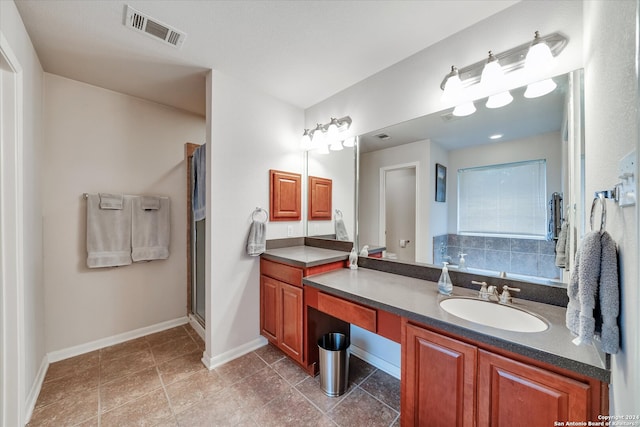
(339, 167)
(440, 186)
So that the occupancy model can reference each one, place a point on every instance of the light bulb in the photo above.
(492, 78)
(539, 58)
(464, 109)
(349, 142)
(335, 145)
(540, 88)
(305, 142)
(499, 100)
(318, 139)
(323, 149)
(452, 88)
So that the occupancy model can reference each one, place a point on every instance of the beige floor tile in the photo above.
(148, 410)
(123, 366)
(165, 336)
(258, 389)
(93, 422)
(69, 411)
(359, 370)
(310, 388)
(221, 409)
(240, 368)
(288, 409)
(290, 370)
(359, 408)
(75, 383)
(383, 387)
(124, 349)
(181, 367)
(175, 348)
(126, 389)
(66, 367)
(193, 389)
(270, 354)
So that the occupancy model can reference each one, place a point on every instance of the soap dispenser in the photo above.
(462, 263)
(445, 287)
(365, 251)
(353, 259)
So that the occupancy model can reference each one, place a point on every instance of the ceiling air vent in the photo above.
(153, 28)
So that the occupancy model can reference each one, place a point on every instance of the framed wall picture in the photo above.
(441, 183)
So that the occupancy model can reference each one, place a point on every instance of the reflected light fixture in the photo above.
(540, 88)
(464, 109)
(496, 136)
(327, 136)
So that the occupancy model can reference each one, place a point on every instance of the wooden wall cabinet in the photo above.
(320, 197)
(285, 190)
(445, 379)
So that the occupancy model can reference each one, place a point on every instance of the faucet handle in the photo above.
(484, 292)
(505, 297)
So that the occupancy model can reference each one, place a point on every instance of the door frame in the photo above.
(382, 215)
(12, 367)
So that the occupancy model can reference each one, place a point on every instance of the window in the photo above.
(503, 200)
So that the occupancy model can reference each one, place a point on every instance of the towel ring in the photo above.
(338, 214)
(258, 211)
(603, 214)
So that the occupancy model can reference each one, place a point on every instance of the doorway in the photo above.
(398, 211)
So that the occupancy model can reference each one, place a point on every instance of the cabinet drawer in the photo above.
(355, 314)
(284, 273)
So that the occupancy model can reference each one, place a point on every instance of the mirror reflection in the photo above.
(339, 167)
(480, 191)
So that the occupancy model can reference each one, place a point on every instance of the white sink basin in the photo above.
(493, 314)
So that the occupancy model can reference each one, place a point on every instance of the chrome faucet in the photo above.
(505, 297)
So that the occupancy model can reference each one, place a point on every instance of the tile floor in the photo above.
(158, 380)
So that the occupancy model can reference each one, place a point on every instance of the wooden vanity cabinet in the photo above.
(282, 308)
(451, 382)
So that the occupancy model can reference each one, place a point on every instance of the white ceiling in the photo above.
(299, 51)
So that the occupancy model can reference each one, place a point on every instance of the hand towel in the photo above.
(111, 201)
(256, 241)
(150, 203)
(108, 233)
(561, 245)
(595, 279)
(199, 200)
(609, 292)
(341, 230)
(150, 230)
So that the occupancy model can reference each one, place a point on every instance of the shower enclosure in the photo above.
(195, 246)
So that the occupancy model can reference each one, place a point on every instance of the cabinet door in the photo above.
(292, 304)
(511, 393)
(269, 308)
(438, 380)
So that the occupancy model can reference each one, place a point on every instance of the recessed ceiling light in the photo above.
(496, 136)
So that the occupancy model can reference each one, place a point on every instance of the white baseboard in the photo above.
(381, 364)
(32, 397)
(196, 326)
(227, 356)
(77, 350)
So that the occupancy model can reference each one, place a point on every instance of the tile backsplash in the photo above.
(518, 256)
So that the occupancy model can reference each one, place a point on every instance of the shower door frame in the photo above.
(189, 149)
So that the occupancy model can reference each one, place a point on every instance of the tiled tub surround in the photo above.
(528, 257)
(159, 380)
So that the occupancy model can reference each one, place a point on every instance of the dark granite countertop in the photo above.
(304, 256)
(419, 300)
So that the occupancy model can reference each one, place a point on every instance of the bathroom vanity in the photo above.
(454, 372)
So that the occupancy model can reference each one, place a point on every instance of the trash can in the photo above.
(334, 363)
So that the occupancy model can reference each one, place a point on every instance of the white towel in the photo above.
(111, 201)
(562, 246)
(341, 230)
(199, 197)
(256, 241)
(150, 228)
(108, 233)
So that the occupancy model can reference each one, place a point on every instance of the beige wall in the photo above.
(102, 141)
(21, 392)
(611, 132)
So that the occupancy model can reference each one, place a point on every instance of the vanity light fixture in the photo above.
(327, 136)
(534, 56)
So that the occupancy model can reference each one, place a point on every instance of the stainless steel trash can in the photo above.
(334, 363)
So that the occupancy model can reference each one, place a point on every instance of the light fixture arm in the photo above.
(510, 60)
